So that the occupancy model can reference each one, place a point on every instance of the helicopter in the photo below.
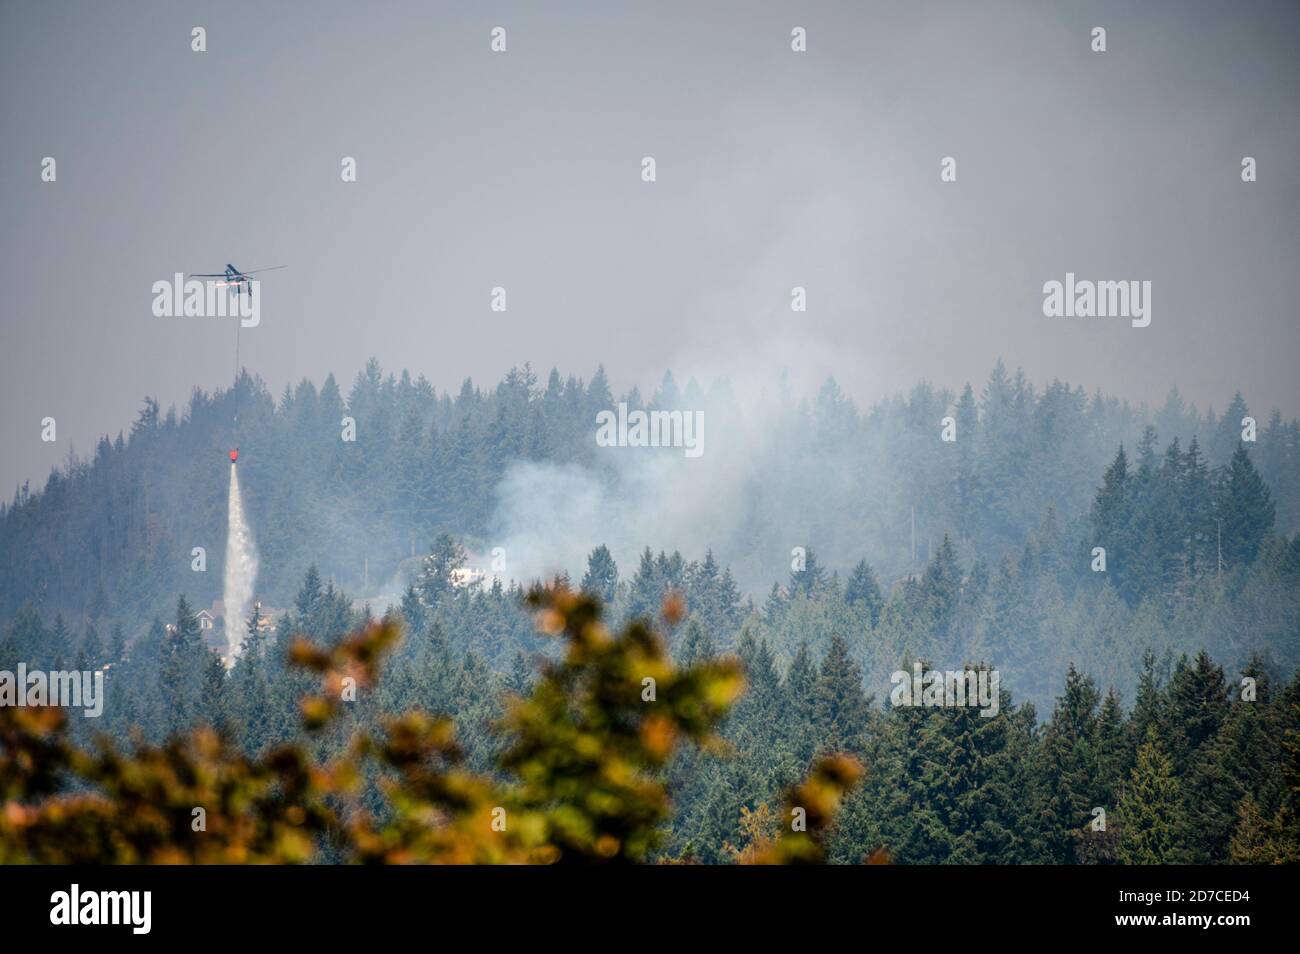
(234, 276)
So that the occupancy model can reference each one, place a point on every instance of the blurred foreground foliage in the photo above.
(580, 775)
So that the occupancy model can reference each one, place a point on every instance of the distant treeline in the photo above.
(112, 536)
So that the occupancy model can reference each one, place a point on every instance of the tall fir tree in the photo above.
(1148, 811)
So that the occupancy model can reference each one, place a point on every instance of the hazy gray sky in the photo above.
(522, 170)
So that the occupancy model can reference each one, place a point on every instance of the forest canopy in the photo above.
(1150, 690)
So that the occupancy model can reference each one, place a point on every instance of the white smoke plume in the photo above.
(757, 491)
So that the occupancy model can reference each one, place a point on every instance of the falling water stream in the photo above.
(241, 571)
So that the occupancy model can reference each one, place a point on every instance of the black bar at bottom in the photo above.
(558, 904)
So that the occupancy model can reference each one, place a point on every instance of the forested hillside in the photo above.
(113, 534)
(1202, 766)
(1159, 688)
